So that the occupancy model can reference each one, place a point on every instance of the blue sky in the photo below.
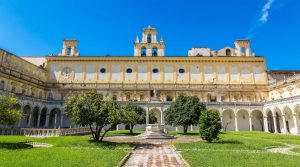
(37, 28)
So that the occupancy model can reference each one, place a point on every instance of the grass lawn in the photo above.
(66, 151)
(239, 149)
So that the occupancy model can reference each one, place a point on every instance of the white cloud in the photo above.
(263, 17)
(265, 11)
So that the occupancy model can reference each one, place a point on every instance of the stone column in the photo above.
(147, 116)
(222, 127)
(61, 120)
(296, 123)
(72, 51)
(29, 119)
(192, 129)
(117, 127)
(250, 123)
(176, 128)
(161, 117)
(39, 118)
(275, 124)
(55, 120)
(284, 124)
(236, 123)
(47, 120)
(266, 127)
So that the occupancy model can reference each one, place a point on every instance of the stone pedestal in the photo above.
(156, 131)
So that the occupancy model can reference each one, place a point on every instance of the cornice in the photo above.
(156, 59)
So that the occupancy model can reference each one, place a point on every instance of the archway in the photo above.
(270, 121)
(228, 120)
(279, 121)
(257, 120)
(289, 121)
(143, 51)
(54, 119)
(157, 113)
(154, 51)
(243, 120)
(26, 115)
(43, 117)
(35, 117)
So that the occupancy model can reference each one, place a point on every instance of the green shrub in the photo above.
(209, 125)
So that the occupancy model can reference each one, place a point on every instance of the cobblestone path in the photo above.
(154, 155)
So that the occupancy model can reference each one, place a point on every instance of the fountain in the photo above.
(155, 131)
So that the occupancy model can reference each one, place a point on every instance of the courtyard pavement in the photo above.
(154, 155)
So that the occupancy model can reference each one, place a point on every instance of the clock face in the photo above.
(66, 72)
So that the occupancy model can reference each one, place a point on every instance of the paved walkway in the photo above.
(154, 155)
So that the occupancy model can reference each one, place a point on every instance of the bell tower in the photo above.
(69, 48)
(243, 47)
(149, 46)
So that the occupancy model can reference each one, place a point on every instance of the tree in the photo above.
(185, 111)
(209, 125)
(133, 114)
(9, 113)
(91, 110)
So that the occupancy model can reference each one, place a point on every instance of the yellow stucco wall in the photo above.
(245, 69)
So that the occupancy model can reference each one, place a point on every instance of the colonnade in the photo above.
(41, 117)
(242, 119)
(283, 119)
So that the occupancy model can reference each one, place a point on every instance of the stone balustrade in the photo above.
(43, 132)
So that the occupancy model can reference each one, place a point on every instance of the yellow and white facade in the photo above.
(232, 80)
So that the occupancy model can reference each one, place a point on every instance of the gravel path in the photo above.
(283, 150)
(137, 140)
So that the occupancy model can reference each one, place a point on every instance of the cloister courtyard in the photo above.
(120, 148)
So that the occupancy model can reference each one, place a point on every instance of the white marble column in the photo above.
(236, 123)
(296, 123)
(192, 129)
(147, 116)
(266, 127)
(161, 117)
(39, 118)
(55, 120)
(47, 120)
(61, 120)
(284, 124)
(222, 127)
(250, 123)
(29, 119)
(275, 124)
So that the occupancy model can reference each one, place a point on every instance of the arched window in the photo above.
(143, 53)
(149, 38)
(2, 85)
(154, 51)
(228, 52)
(69, 51)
